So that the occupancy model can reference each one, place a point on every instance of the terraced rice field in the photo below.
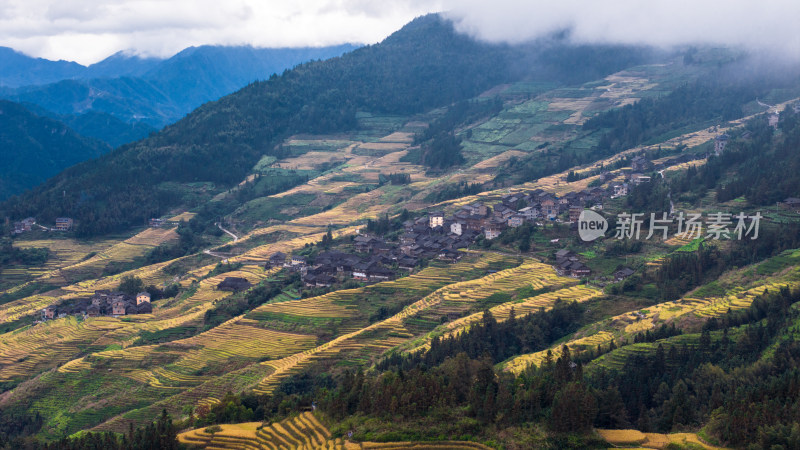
(301, 432)
(377, 337)
(525, 306)
(617, 358)
(342, 303)
(678, 240)
(364, 162)
(556, 183)
(206, 294)
(153, 237)
(460, 297)
(151, 274)
(237, 339)
(262, 253)
(168, 314)
(498, 160)
(63, 253)
(311, 160)
(193, 371)
(12, 311)
(520, 363)
(635, 438)
(686, 165)
(32, 350)
(363, 169)
(399, 137)
(309, 143)
(122, 252)
(359, 207)
(688, 310)
(196, 369)
(71, 260)
(185, 216)
(456, 445)
(322, 306)
(46, 345)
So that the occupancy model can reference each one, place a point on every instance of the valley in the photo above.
(296, 349)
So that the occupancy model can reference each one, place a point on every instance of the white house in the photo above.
(457, 228)
(436, 219)
(529, 213)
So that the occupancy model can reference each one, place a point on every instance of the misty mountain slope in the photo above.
(98, 125)
(423, 66)
(121, 64)
(200, 74)
(35, 148)
(129, 99)
(17, 69)
(156, 91)
(107, 128)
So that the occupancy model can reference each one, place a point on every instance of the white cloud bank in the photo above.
(87, 31)
(763, 25)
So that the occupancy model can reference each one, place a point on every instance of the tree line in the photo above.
(158, 435)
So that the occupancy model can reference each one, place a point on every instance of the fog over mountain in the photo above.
(72, 30)
(767, 26)
(87, 32)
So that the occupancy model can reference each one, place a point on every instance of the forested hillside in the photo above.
(125, 98)
(386, 249)
(150, 91)
(36, 148)
(424, 65)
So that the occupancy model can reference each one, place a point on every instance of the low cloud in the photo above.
(89, 31)
(762, 26)
(68, 29)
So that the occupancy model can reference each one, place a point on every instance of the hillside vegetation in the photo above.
(36, 148)
(425, 65)
(532, 338)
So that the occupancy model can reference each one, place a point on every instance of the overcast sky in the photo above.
(88, 31)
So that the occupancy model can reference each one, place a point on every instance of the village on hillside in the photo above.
(433, 236)
(102, 303)
(28, 223)
(437, 236)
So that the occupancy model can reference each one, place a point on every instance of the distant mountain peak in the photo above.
(18, 69)
(120, 64)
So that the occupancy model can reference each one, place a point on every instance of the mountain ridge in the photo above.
(151, 90)
(424, 65)
(302, 258)
(19, 69)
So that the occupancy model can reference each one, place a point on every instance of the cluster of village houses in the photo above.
(438, 236)
(102, 303)
(435, 236)
(25, 225)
